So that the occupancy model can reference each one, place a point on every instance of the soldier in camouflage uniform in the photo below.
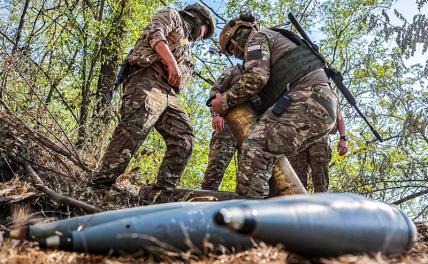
(161, 61)
(309, 117)
(315, 159)
(223, 145)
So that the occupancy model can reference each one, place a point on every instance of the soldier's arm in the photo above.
(256, 72)
(166, 21)
(174, 75)
(217, 121)
(163, 23)
(342, 145)
(341, 124)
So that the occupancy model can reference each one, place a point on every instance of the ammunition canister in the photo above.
(284, 180)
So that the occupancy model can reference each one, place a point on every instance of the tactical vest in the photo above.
(288, 69)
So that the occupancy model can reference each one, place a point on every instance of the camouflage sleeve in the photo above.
(227, 79)
(216, 87)
(256, 72)
(166, 21)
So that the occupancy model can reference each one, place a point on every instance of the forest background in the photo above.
(58, 61)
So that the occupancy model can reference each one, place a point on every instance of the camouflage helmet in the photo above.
(245, 20)
(206, 14)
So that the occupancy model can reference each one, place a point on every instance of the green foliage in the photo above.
(62, 45)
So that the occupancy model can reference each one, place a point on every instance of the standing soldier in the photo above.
(223, 144)
(285, 81)
(315, 159)
(160, 66)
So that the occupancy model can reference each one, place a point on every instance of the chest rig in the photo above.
(289, 68)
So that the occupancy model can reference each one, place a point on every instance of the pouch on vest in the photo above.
(282, 105)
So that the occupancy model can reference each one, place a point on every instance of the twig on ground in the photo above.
(39, 184)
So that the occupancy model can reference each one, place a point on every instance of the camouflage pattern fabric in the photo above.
(305, 121)
(310, 116)
(262, 50)
(314, 160)
(149, 102)
(229, 77)
(167, 26)
(222, 148)
(223, 145)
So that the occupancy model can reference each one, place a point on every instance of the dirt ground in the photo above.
(20, 252)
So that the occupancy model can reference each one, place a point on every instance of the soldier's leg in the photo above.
(310, 116)
(222, 148)
(142, 105)
(175, 127)
(300, 164)
(255, 163)
(319, 159)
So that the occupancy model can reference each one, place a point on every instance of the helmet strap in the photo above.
(237, 45)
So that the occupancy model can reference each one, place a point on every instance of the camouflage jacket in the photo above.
(262, 50)
(226, 79)
(229, 77)
(167, 26)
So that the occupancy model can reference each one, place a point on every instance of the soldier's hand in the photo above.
(218, 124)
(342, 147)
(174, 75)
(216, 104)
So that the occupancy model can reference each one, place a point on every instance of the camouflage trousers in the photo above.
(310, 116)
(313, 160)
(222, 148)
(149, 102)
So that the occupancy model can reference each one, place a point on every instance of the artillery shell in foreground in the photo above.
(174, 230)
(66, 226)
(324, 224)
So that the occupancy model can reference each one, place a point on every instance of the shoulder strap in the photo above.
(290, 35)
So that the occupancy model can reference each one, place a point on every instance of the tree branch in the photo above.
(39, 184)
(411, 196)
(20, 26)
(214, 12)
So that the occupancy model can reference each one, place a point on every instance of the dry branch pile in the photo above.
(49, 175)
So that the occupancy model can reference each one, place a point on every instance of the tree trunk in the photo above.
(20, 26)
(15, 47)
(110, 56)
(81, 132)
(105, 83)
